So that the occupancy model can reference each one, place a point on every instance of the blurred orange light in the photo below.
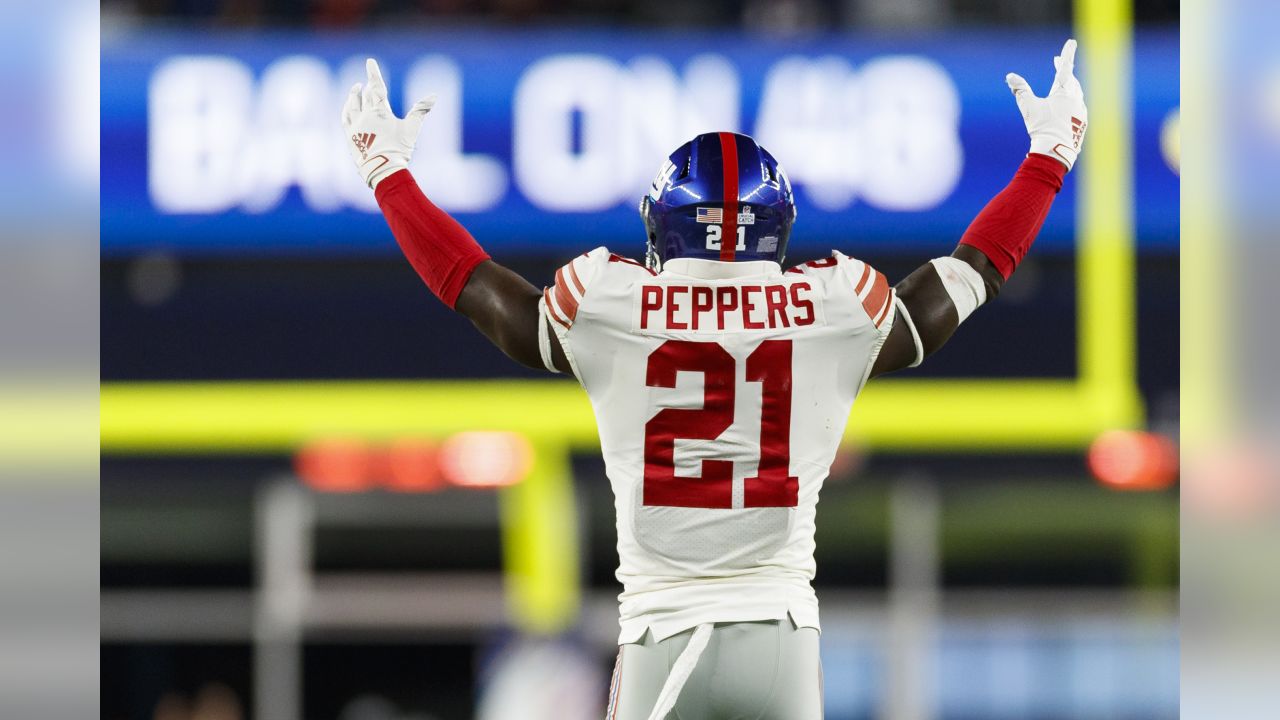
(1133, 460)
(485, 459)
(469, 459)
(413, 466)
(336, 465)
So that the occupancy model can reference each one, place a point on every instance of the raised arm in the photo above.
(937, 297)
(500, 303)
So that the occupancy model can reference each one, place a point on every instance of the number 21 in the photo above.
(714, 233)
(770, 365)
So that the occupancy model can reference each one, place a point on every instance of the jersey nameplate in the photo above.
(663, 307)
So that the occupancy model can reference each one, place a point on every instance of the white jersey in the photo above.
(721, 391)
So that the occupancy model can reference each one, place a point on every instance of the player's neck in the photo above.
(719, 270)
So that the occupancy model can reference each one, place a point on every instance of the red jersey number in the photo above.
(770, 365)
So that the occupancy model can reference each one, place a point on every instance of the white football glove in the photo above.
(1055, 123)
(380, 142)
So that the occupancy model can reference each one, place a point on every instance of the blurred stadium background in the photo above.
(324, 496)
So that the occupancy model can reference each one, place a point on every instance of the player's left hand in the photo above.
(1055, 123)
(380, 142)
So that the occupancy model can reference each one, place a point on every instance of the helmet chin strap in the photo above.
(652, 259)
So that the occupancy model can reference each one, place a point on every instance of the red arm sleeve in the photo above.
(1007, 226)
(441, 250)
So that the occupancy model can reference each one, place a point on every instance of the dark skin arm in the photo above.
(504, 307)
(931, 309)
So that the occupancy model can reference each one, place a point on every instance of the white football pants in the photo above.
(748, 671)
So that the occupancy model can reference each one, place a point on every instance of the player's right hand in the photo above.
(1056, 123)
(380, 142)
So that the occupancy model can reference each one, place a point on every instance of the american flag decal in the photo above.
(710, 215)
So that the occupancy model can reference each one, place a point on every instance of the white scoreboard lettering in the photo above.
(455, 180)
(888, 133)
(588, 131)
(552, 94)
(198, 116)
(630, 117)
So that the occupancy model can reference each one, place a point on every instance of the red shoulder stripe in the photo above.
(884, 314)
(551, 309)
(573, 275)
(877, 298)
(568, 304)
(862, 281)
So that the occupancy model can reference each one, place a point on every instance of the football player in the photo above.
(721, 382)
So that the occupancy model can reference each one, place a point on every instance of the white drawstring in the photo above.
(681, 671)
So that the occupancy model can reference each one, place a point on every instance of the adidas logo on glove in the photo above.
(363, 141)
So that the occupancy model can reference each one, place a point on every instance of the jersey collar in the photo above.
(719, 270)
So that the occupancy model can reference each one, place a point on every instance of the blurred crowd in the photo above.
(772, 15)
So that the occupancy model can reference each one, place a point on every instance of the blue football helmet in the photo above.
(719, 196)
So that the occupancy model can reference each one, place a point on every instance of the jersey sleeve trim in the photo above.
(567, 299)
(544, 338)
(558, 325)
(901, 309)
(552, 311)
(573, 281)
(882, 335)
(562, 302)
(869, 285)
(877, 297)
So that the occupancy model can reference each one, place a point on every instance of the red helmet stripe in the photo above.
(729, 223)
